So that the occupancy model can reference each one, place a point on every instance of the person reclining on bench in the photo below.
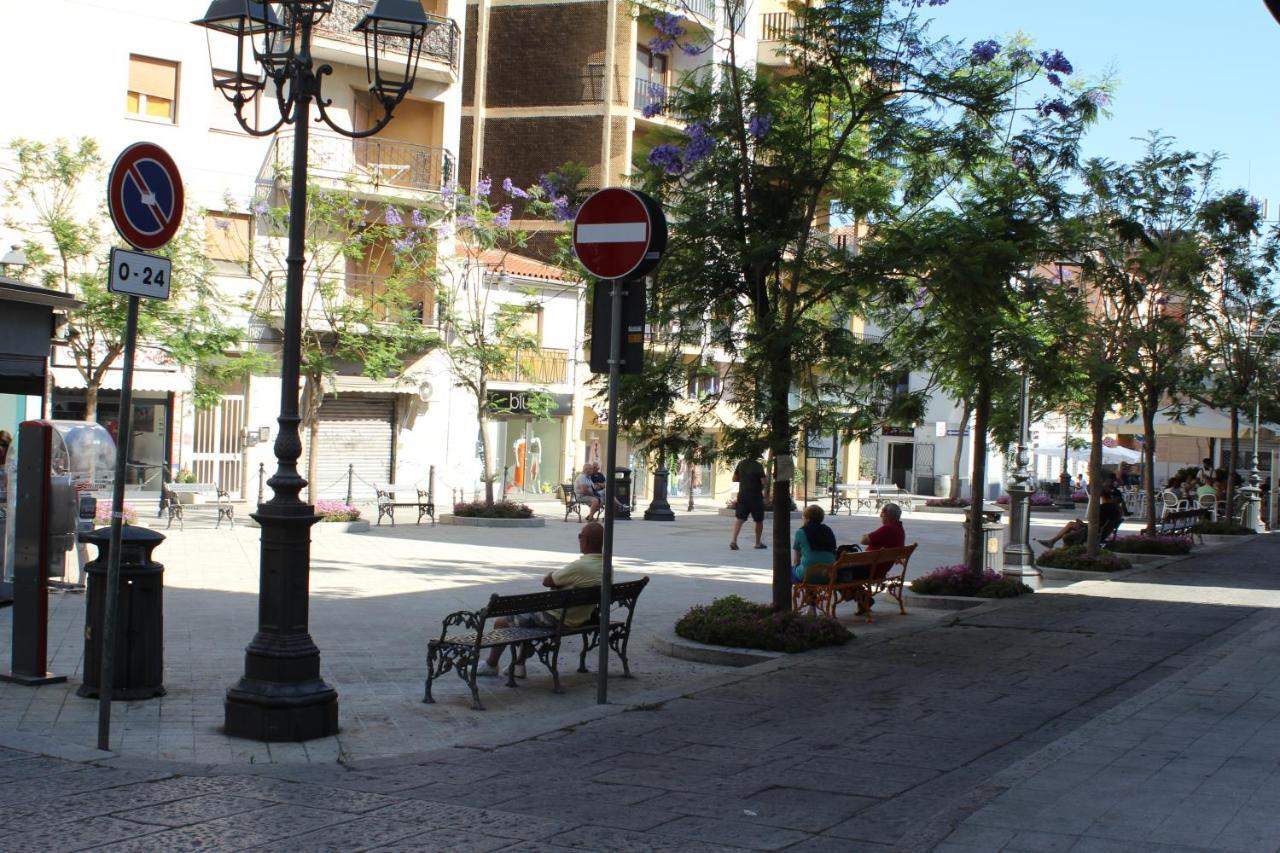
(1076, 532)
(587, 570)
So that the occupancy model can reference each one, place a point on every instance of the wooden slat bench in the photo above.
(572, 501)
(821, 589)
(175, 509)
(1181, 522)
(387, 502)
(465, 638)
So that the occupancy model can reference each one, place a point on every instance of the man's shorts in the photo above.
(534, 620)
(753, 507)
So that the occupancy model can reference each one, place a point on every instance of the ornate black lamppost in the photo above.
(281, 696)
(1019, 560)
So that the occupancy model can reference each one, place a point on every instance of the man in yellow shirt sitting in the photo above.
(587, 570)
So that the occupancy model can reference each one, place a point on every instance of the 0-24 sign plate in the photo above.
(139, 274)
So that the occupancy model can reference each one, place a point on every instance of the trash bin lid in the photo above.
(130, 534)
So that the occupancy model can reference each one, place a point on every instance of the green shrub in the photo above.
(500, 509)
(1222, 528)
(959, 580)
(733, 621)
(1073, 557)
(1150, 545)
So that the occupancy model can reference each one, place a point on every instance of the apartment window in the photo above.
(153, 89)
(530, 325)
(651, 67)
(222, 114)
(228, 239)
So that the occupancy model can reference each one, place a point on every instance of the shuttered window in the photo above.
(153, 89)
(357, 430)
(228, 237)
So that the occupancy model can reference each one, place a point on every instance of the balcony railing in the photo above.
(538, 367)
(705, 8)
(373, 165)
(323, 298)
(440, 43)
(651, 98)
(776, 26)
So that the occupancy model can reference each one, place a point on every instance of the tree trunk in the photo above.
(959, 454)
(90, 402)
(1096, 417)
(973, 541)
(312, 397)
(1149, 464)
(779, 446)
(1231, 463)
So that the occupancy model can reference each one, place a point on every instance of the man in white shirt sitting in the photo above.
(585, 489)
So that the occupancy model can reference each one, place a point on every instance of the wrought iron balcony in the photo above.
(776, 26)
(651, 98)
(536, 367)
(375, 166)
(440, 43)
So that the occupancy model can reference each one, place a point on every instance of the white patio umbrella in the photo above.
(1110, 455)
(1206, 423)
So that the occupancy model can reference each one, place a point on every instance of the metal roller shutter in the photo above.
(355, 429)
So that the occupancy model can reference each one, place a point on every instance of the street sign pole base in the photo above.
(32, 680)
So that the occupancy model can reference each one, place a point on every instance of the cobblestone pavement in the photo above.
(1134, 714)
(376, 598)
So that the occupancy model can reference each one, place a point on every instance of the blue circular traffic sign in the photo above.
(145, 196)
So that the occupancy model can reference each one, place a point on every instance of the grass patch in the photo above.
(1074, 558)
(960, 580)
(734, 621)
(499, 509)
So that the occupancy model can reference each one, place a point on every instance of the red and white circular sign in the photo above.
(613, 233)
(145, 196)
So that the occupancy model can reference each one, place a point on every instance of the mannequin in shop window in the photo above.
(518, 448)
(534, 460)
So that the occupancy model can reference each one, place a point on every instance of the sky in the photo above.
(1206, 72)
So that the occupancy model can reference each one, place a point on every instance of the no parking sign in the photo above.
(145, 196)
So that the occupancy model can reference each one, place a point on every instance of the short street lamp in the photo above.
(1252, 492)
(281, 696)
(1019, 561)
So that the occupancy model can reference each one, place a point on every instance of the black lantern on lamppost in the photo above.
(281, 696)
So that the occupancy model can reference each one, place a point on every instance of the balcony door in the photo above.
(651, 78)
(407, 153)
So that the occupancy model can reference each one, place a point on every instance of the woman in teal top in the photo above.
(814, 543)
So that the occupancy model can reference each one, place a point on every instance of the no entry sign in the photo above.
(619, 233)
(145, 197)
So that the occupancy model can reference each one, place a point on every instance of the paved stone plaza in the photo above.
(1134, 713)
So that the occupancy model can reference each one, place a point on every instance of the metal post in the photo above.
(281, 696)
(262, 478)
(1252, 516)
(123, 439)
(351, 474)
(1019, 560)
(610, 489)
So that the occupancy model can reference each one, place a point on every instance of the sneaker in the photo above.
(733, 546)
(759, 546)
(487, 670)
(519, 670)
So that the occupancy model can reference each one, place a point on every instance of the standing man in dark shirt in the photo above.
(749, 475)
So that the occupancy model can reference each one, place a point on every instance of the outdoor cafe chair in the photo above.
(1209, 502)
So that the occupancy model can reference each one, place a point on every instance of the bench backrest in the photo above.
(623, 595)
(567, 493)
(879, 563)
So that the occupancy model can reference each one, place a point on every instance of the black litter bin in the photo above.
(138, 670)
(622, 491)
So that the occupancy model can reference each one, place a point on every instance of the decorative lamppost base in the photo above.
(659, 509)
(251, 711)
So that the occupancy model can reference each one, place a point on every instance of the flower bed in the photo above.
(1167, 545)
(1222, 528)
(1074, 558)
(337, 511)
(1037, 499)
(499, 509)
(733, 621)
(949, 502)
(102, 515)
(961, 580)
(1080, 497)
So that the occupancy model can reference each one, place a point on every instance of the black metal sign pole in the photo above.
(124, 432)
(610, 488)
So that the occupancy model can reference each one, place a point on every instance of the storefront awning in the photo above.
(1206, 423)
(365, 385)
(162, 381)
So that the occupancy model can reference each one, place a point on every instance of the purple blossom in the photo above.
(1054, 80)
(404, 245)
(669, 24)
(758, 127)
(1055, 62)
(466, 220)
(513, 190)
(560, 209)
(984, 51)
(652, 107)
(1098, 98)
(661, 44)
(692, 49)
(392, 216)
(418, 220)
(668, 158)
(449, 193)
(260, 208)
(484, 188)
(700, 144)
(502, 218)
(1057, 107)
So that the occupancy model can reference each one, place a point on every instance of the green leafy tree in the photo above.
(1236, 335)
(1144, 262)
(67, 244)
(871, 118)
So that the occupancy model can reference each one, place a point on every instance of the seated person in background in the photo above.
(814, 543)
(1076, 532)
(1204, 489)
(586, 492)
(890, 533)
(1079, 485)
(587, 570)
(600, 483)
